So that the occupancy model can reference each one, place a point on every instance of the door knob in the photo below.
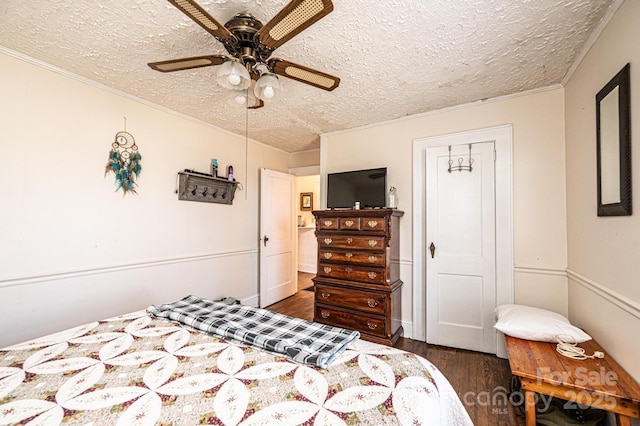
(432, 248)
(265, 240)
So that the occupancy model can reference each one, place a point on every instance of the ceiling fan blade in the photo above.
(304, 74)
(292, 20)
(187, 63)
(194, 11)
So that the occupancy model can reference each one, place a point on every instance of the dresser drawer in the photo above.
(373, 224)
(349, 298)
(352, 242)
(352, 273)
(352, 320)
(355, 257)
(328, 223)
(349, 223)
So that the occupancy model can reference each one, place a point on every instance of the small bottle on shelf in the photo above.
(392, 198)
(214, 167)
(230, 173)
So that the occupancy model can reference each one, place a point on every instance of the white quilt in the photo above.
(136, 370)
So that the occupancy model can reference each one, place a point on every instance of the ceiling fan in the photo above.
(250, 44)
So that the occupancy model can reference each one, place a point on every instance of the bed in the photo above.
(138, 369)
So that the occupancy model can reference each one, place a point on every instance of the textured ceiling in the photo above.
(394, 57)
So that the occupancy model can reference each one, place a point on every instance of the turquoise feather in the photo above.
(125, 170)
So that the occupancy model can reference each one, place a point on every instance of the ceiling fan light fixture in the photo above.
(240, 99)
(267, 87)
(233, 75)
(244, 99)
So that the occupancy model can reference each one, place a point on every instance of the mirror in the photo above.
(613, 124)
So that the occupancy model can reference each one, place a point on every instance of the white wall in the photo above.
(604, 252)
(538, 177)
(71, 249)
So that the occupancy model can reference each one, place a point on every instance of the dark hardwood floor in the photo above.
(481, 380)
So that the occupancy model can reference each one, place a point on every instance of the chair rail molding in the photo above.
(60, 275)
(539, 270)
(621, 301)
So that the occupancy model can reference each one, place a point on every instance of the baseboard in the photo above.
(251, 301)
(309, 269)
(408, 329)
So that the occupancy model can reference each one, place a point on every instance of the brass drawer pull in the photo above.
(328, 255)
(349, 255)
(372, 223)
(372, 303)
(349, 223)
(373, 243)
(328, 222)
(371, 325)
(372, 259)
(327, 269)
(328, 241)
(326, 295)
(349, 270)
(349, 240)
(326, 314)
(372, 275)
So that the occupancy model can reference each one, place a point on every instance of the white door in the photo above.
(278, 278)
(461, 247)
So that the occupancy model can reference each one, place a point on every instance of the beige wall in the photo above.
(304, 158)
(538, 177)
(71, 249)
(604, 252)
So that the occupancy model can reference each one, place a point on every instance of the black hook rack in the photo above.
(460, 167)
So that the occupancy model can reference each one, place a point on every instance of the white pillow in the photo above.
(526, 322)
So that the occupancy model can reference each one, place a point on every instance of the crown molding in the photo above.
(593, 37)
(445, 110)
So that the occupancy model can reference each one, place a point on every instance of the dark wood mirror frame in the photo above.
(609, 183)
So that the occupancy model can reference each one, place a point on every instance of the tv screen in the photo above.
(366, 186)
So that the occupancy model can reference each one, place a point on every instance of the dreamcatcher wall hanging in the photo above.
(124, 161)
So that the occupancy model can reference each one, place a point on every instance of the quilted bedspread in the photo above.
(139, 370)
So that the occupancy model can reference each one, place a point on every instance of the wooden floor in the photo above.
(481, 380)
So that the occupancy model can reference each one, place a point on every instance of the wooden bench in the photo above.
(599, 383)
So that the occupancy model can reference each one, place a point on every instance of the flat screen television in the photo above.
(369, 187)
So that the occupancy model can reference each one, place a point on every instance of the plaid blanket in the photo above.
(299, 340)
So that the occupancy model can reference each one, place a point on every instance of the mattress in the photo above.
(139, 370)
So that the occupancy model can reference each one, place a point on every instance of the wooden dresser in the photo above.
(358, 281)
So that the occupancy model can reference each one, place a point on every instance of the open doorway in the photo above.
(305, 166)
(307, 200)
